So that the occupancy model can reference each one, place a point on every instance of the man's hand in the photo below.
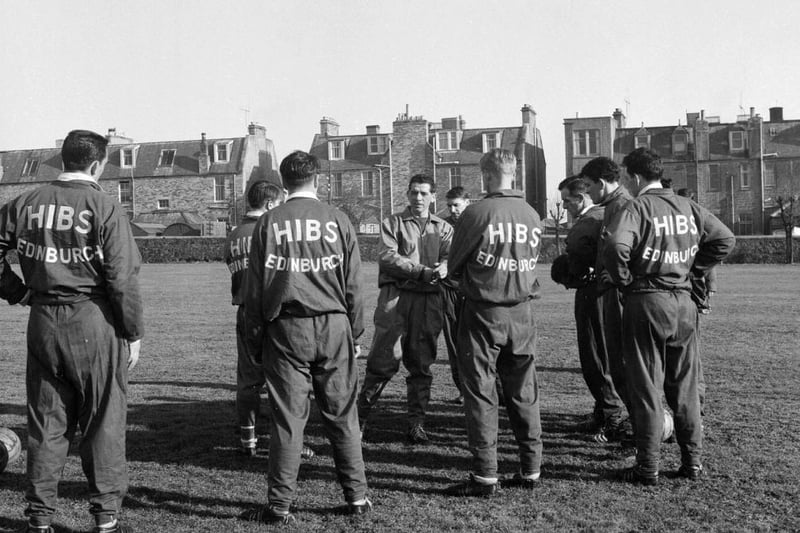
(133, 355)
(426, 276)
(357, 350)
(439, 271)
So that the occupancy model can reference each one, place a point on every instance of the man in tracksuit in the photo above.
(261, 197)
(656, 242)
(581, 251)
(494, 253)
(457, 200)
(408, 318)
(80, 265)
(303, 287)
(602, 175)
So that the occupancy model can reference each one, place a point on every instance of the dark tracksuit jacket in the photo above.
(582, 241)
(495, 249)
(653, 245)
(452, 303)
(249, 371)
(408, 316)
(81, 264)
(304, 286)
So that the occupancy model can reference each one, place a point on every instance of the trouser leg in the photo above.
(383, 360)
(335, 381)
(648, 319)
(249, 380)
(424, 323)
(612, 327)
(452, 306)
(681, 382)
(289, 347)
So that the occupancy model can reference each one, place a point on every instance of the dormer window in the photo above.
(641, 140)
(30, 168)
(490, 141)
(737, 141)
(127, 157)
(166, 158)
(680, 142)
(447, 140)
(222, 152)
(376, 145)
(336, 150)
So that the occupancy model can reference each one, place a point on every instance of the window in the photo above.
(454, 174)
(489, 141)
(126, 158)
(336, 185)
(713, 177)
(641, 141)
(166, 158)
(773, 131)
(586, 142)
(219, 188)
(336, 150)
(744, 177)
(736, 139)
(125, 192)
(222, 152)
(376, 145)
(745, 223)
(369, 228)
(30, 168)
(769, 176)
(368, 183)
(680, 142)
(447, 140)
(163, 203)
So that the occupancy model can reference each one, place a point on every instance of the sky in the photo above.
(169, 69)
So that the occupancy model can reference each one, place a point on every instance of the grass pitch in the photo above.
(185, 475)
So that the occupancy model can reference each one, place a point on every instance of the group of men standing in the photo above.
(639, 266)
(296, 276)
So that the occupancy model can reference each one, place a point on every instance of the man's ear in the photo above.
(93, 168)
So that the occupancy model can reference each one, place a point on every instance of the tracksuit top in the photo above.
(237, 252)
(612, 205)
(450, 282)
(582, 241)
(495, 249)
(659, 237)
(408, 245)
(74, 243)
(304, 262)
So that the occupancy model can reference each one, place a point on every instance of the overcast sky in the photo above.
(169, 70)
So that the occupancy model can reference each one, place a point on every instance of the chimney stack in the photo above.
(619, 118)
(328, 127)
(257, 129)
(776, 114)
(204, 160)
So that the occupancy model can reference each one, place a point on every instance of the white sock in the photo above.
(362, 501)
(532, 477)
(485, 480)
(108, 525)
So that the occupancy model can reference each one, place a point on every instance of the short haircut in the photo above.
(298, 168)
(666, 183)
(601, 168)
(263, 192)
(574, 185)
(644, 162)
(498, 161)
(81, 148)
(457, 192)
(422, 178)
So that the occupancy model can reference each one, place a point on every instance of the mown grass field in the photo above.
(186, 477)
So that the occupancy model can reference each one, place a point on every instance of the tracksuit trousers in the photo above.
(76, 376)
(500, 341)
(593, 354)
(407, 327)
(249, 379)
(453, 301)
(301, 355)
(660, 352)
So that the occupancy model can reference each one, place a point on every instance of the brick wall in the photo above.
(410, 155)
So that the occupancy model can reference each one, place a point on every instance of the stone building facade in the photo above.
(367, 174)
(736, 169)
(205, 179)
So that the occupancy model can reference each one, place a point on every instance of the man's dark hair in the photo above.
(498, 161)
(298, 168)
(644, 162)
(666, 183)
(261, 193)
(601, 168)
(574, 185)
(457, 192)
(422, 178)
(81, 148)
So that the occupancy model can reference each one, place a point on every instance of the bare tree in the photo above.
(557, 213)
(789, 219)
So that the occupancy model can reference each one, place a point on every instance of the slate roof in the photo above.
(185, 163)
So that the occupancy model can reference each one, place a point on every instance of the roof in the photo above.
(185, 162)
